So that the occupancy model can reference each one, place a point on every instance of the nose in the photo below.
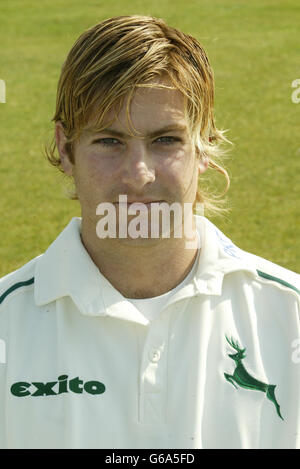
(138, 169)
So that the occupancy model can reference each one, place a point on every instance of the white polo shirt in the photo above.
(82, 367)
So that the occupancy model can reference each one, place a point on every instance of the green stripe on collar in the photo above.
(278, 280)
(14, 287)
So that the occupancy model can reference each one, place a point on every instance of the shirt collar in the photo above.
(66, 269)
(218, 257)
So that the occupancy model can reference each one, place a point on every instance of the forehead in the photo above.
(155, 104)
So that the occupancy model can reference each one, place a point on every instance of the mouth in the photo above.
(145, 202)
(138, 204)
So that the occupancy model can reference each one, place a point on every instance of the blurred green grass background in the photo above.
(254, 49)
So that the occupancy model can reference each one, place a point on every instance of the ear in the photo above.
(61, 140)
(203, 163)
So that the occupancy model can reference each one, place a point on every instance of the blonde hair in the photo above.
(112, 58)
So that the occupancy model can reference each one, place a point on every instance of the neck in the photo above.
(144, 268)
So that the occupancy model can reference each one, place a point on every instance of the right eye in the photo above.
(106, 142)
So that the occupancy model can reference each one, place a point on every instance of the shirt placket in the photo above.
(153, 374)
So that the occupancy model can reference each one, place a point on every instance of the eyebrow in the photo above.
(155, 133)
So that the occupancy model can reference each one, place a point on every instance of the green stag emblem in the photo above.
(242, 378)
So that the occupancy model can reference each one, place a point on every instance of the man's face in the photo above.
(161, 167)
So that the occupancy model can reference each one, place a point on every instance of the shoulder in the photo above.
(18, 281)
(271, 273)
(264, 271)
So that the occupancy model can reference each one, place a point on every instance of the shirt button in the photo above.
(154, 355)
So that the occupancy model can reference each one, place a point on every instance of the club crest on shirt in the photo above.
(242, 378)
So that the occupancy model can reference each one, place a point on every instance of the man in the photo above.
(128, 341)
